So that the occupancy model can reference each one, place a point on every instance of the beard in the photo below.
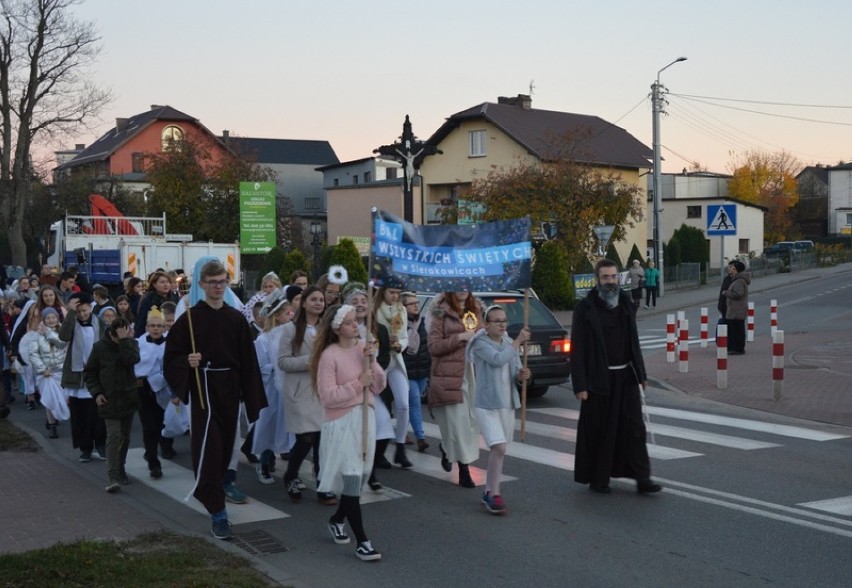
(609, 294)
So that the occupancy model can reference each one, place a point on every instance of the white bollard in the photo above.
(670, 338)
(773, 316)
(721, 356)
(777, 365)
(704, 326)
(683, 349)
(750, 323)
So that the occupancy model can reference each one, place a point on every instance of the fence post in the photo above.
(777, 365)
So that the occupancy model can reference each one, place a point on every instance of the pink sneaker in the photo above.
(493, 504)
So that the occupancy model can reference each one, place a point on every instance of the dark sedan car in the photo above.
(548, 356)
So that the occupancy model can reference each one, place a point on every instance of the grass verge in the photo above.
(14, 439)
(162, 558)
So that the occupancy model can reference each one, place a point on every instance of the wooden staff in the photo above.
(524, 382)
(367, 366)
(192, 343)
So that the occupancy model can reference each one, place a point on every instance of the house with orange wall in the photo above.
(120, 152)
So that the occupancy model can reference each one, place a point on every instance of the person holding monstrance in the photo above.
(455, 317)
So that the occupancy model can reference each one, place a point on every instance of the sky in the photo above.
(348, 72)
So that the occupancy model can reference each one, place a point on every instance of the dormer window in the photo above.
(171, 136)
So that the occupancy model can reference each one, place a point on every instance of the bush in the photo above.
(612, 255)
(295, 260)
(346, 254)
(635, 254)
(550, 277)
(272, 262)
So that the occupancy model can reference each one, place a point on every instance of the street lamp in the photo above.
(316, 243)
(657, 104)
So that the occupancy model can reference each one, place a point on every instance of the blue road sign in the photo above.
(721, 219)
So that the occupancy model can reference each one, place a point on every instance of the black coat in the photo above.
(419, 364)
(589, 364)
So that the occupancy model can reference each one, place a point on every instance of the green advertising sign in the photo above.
(257, 217)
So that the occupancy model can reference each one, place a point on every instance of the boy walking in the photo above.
(111, 380)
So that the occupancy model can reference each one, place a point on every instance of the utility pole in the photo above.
(657, 108)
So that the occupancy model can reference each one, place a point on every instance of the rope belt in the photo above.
(619, 367)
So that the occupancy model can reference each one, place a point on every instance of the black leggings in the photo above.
(349, 509)
(304, 443)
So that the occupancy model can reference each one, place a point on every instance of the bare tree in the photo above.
(45, 91)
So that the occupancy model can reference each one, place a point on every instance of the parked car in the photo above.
(807, 245)
(548, 356)
(780, 249)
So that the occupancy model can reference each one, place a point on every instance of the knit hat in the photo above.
(103, 310)
(48, 311)
(351, 289)
(292, 292)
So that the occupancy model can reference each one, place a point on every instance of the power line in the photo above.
(788, 116)
(762, 102)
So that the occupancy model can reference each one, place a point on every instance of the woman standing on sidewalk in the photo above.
(652, 285)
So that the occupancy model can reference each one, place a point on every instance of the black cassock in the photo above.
(611, 431)
(229, 374)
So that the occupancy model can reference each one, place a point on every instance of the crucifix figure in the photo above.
(410, 152)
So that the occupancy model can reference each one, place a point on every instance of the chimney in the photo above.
(226, 136)
(80, 146)
(522, 100)
(156, 107)
(121, 124)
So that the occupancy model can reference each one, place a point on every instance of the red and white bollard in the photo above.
(777, 365)
(670, 338)
(681, 316)
(750, 323)
(683, 347)
(721, 356)
(773, 316)
(704, 326)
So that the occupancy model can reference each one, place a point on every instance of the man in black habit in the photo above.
(606, 371)
(213, 373)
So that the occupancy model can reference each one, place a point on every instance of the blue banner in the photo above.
(450, 258)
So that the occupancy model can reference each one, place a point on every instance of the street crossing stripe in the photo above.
(749, 425)
(707, 437)
(177, 481)
(841, 506)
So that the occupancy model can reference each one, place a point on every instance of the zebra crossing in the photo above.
(669, 427)
(652, 341)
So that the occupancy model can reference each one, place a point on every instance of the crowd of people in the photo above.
(329, 370)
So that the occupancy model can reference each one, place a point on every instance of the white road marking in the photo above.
(177, 482)
(749, 425)
(711, 438)
(841, 506)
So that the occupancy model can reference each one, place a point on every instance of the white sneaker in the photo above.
(365, 552)
(263, 474)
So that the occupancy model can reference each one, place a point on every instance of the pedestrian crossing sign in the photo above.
(721, 219)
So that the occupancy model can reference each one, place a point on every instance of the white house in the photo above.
(685, 198)
(840, 199)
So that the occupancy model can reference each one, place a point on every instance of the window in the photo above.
(391, 173)
(367, 177)
(171, 136)
(744, 246)
(355, 179)
(693, 212)
(336, 182)
(137, 162)
(848, 218)
(312, 203)
(477, 147)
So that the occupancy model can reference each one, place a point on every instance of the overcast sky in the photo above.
(348, 72)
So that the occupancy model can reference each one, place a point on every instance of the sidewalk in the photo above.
(817, 367)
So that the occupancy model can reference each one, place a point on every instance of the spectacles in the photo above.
(499, 322)
(216, 283)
